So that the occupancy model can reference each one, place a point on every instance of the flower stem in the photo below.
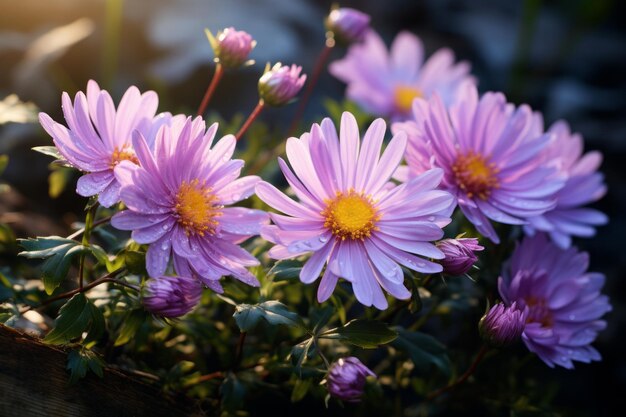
(91, 214)
(219, 71)
(319, 352)
(479, 357)
(239, 351)
(319, 66)
(255, 113)
(93, 226)
(106, 278)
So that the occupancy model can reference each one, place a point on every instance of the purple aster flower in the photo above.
(171, 296)
(584, 185)
(99, 137)
(385, 83)
(563, 300)
(459, 254)
(231, 47)
(347, 25)
(350, 216)
(490, 152)
(280, 84)
(502, 326)
(346, 379)
(177, 202)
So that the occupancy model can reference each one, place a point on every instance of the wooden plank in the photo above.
(34, 382)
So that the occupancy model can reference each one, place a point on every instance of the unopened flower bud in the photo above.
(502, 325)
(459, 254)
(347, 25)
(171, 296)
(231, 47)
(346, 379)
(280, 84)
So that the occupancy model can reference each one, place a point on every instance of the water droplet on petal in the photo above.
(431, 218)
(164, 246)
(323, 238)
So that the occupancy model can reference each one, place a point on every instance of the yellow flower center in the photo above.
(196, 208)
(475, 175)
(538, 311)
(350, 215)
(124, 154)
(404, 96)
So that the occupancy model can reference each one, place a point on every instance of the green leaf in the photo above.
(364, 333)
(4, 161)
(79, 361)
(131, 324)
(58, 180)
(232, 392)
(424, 350)
(48, 150)
(286, 270)
(57, 251)
(247, 316)
(301, 352)
(300, 388)
(75, 317)
(135, 262)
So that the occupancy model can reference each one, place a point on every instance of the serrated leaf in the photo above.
(247, 316)
(424, 350)
(364, 333)
(57, 251)
(131, 324)
(75, 317)
(285, 270)
(79, 361)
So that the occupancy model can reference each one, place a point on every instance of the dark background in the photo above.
(566, 58)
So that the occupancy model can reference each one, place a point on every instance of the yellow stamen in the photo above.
(475, 175)
(404, 96)
(196, 208)
(350, 215)
(123, 154)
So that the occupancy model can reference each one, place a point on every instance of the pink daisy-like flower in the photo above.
(563, 300)
(490, 153)
(385, 83)
(177, 202)
(584, 185)
(99, 135)
(350, 216)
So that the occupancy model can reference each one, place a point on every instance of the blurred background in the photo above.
(566, 58)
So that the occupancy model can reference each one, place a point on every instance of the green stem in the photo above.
(93, 226)
(91, 214)
(319, 352)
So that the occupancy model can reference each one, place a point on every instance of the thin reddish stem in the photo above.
(319, 67)
(255, 113)
(219, 71)
(479, 357)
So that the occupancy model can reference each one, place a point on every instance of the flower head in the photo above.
(385, 83)
(584, 185)
(490, 153)
(459, 254)
(346, 379)
(349, 215)
(171, 296)
(563, 300)
(280, 84)
(231, 47)
(502, 325)
(178, 202)
(347, 25)
(99, 137)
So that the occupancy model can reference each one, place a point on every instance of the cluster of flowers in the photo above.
(493, 160)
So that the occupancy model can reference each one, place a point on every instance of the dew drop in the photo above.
(323, 238)
(164, 246)
(431, 218)
(572, 316)
(166, 227)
